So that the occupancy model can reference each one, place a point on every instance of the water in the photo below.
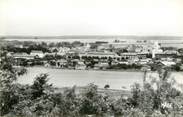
(69, 78)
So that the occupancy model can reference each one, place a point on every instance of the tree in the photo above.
(91, 101)
(136, 95)
(71, 102)
(107, 86)
(8, 75)
(40, 85)
(156, 95)
(36, 99)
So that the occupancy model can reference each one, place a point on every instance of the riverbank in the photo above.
(114, 93)
(114, 70)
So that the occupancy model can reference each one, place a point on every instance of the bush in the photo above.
(40, 98)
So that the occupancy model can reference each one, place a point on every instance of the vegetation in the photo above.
(156, 98)
(125, 66)
(8, 75)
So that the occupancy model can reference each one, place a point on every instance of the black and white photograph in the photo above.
(91, 58)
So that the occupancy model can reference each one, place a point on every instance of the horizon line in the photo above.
(89, 36)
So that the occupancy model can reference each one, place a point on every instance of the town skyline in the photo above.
(141, 37)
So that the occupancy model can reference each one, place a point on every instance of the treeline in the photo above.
(125, 66)
(28, 49)
(28, 46)
(157, 98)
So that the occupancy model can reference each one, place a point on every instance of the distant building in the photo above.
(61, 63)
(167, 63)
(63, 50)
(22, 56)
(36, 53)
(86, 46)
(144, 61)
(171, 52)
(123, 62)
(80, 65)
(47, 64)
(167, 54)
(99, 54)
(156, 49)
(130, 56)
(112, 45)
(101, 65)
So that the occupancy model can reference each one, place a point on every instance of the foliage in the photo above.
(176, 67)
(156, 98)
(8, 75)
(125, 66)
(91, 100)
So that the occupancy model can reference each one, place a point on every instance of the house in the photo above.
(61, 63)
(22, 56)
(144, 61)
(80, 65)
(36, 53)
(101, 65)
(63, 50)
(46, 64)
(167, 63)
(99, 54)
(146, 68)
(143, 55)
(167, 53)
(10, 53)
(171, 52)
(129, 56)
(124, 62)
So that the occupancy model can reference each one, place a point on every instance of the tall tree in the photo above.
(8, 75)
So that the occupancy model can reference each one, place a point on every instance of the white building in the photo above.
(80, 65)
(63, 50)
(35, 53)
(99, 54)
(156, 49)
(168, 63)
(22, 56)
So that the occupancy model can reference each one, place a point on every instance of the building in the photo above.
(36, 53)
(144, 61)
(130, 56)
(22, 56)
(99, 54)
(80, 65)
(156, 49)
(63, 50)
(167, 63)
(101, 65)
(61, 63)
(112, 45)
(167, 54)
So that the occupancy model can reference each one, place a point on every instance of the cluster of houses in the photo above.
(80, 57)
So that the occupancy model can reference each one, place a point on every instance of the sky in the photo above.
(91, 17)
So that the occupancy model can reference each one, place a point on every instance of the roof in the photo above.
(101, 53)
(103, 64)
(36, 51)
(62, 61)
(23, 55)
(168, 63)
(170, 52)
(128, 54)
